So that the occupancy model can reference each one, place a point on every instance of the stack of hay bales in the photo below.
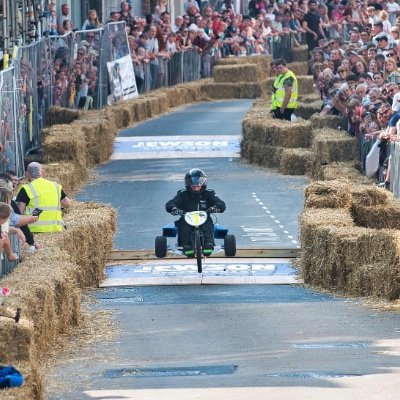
(331, 145)
(341, 253)
(300, 53)
(47, 287)
(275, 143)
(235, 82)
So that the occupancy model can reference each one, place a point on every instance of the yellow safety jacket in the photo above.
(279, 95)
(45, 195)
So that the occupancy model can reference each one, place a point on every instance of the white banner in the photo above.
(122, 80)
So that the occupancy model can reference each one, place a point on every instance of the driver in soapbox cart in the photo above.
(196, 197)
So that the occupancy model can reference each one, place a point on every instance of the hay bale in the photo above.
(319, 121)
(296, 161)
(16, 339)
(274, 132)
(192, 91)
(347, 171)
(99, 134)
(331, 145)
(237, 73)
(328, 194)
(156, 104)
(173, 98)
(221, 90)
(298, 67)
(300, 53)
(336, 254)
(306, 110)
(32, 387)
(64, 143)
(251, 91)
(309, 97)
(59, 115)
(264, 155)
(306, 84)
(381, 216)
(140, 109)
(311, 222)
(374, 280)
(70, 175)
(264, 61)
(369, 195)
(311, 219)
(46, 285)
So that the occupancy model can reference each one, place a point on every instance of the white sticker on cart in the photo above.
(150, 147)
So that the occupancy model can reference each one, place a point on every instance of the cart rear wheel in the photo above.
(161, 246)
(230, 245)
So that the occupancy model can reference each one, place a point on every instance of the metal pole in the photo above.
(5, 30)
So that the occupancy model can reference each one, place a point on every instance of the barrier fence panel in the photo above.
(395, 169)
(114, 45)
(33, 77)
(90, 83)
(12, 125)
(8, 266)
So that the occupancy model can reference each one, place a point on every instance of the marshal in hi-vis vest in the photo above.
(45, 195)
(279, 94)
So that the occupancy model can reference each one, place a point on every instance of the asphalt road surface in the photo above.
(220, 341)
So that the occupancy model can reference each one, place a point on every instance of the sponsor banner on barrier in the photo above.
(122, 79)
(142, 147)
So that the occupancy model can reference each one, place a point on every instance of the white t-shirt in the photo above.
(396, 103)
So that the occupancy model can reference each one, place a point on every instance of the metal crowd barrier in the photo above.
(8, 266)
(395, 169)
(185, 66)
(280, 47)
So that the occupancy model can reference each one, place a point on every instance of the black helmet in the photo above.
(196, 181)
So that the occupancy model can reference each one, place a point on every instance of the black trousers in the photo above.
(287, 114)
(185, 232)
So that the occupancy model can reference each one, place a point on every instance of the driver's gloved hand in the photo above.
(214, 210)
(176, 211)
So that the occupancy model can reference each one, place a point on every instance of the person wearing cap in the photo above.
(383, 45)
(312, 25)
(285, 93)
(353, 58)
(45, 195)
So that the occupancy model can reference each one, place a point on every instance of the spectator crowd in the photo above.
(358, 78)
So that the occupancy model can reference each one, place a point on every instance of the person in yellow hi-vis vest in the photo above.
(43, 197)
(284, 97)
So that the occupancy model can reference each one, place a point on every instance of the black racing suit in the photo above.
(185, 200)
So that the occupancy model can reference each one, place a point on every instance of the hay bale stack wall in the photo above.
(350, 239)
(350, 230)
(47, 287)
